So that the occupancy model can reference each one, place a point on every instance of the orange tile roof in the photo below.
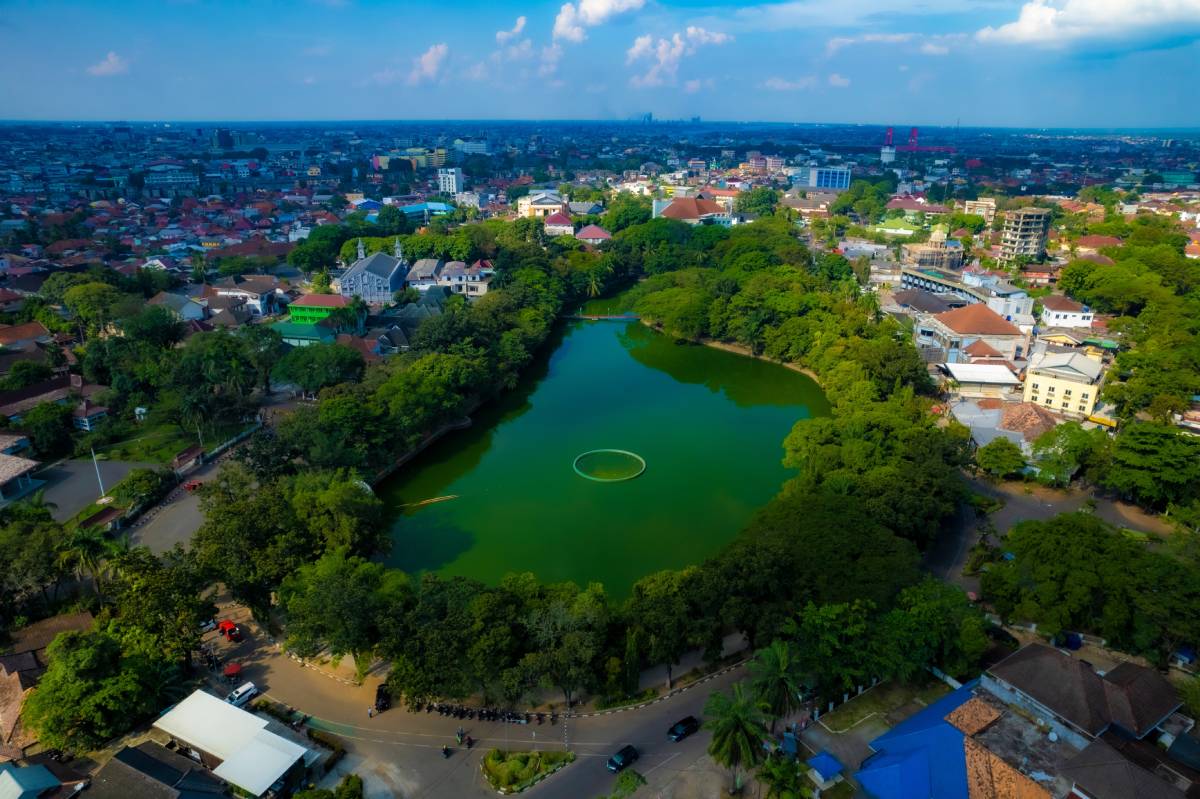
(989, 777)
(973, 716)
(977, 319)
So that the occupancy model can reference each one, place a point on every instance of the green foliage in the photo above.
(1074, 572)
(92, 691)
(1154, 465)
(777, 679)
(760, 201)
(158, 604)
(350, 787)
(738, 726)
(49, 428)
(1000, 457)
(626, 210)
(1070, 449)
(513, 770)
(320, 365)
(866, 200)
(142, 486)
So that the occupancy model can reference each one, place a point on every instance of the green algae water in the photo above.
(709, 425)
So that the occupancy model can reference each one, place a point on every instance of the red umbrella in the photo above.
(233, 669)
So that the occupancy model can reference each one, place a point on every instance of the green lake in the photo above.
(709, 425)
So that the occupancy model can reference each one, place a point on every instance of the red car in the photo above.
(192, 485)
(229, 630)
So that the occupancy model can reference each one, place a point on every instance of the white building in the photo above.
(1059, 311)
(450, 180)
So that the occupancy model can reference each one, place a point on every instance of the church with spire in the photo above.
(376, 277)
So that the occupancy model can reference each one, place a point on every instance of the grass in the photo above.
(840, 791)
(510, 772)
(162, 442)
(883, 700)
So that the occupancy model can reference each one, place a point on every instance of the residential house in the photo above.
(558, 224)
(259, 292)
(302, 335)
(593, 235)
(1060, 311)
(1064, 382)
(375, 278)
(585, 208)
(953, 331)
(57, 389)
(982, 379)
(88, 415)
(425, 273)
(151, 771)
(537, 205)
(471, 281)
(186, 308)
(992, 418)
(36, 781)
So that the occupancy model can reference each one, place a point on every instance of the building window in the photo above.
(1083, 396)
(1050, 389)
(1067, 392)
(1035, 386)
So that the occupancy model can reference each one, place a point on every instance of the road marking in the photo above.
(660, 765)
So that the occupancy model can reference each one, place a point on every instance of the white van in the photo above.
(242, 694)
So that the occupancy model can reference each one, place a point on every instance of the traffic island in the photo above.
(513, 772)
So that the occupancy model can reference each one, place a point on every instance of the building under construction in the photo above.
(1024, 234)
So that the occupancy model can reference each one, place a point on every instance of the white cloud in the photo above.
(667, 53)
(696, 84)
(1057, 23)
(477, 71)
(784, 85)
(551, 55)
(838, 42)
(837, 81)
(573, 20)
(929, 48)
(317, 51)
(112, 64)
(808, 14)
(504, 36)
(428, 65)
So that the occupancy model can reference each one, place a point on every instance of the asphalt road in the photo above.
(398, 753)
(72, 486)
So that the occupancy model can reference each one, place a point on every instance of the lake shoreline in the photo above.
(741, 349)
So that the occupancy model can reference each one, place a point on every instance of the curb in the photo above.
(663, 698)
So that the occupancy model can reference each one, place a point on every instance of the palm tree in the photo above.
(738, 726)
(84, 553)
(777, 680)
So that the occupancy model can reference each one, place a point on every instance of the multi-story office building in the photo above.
(1067, 383)
(836, 178)
(450, 180)
(1024, 234)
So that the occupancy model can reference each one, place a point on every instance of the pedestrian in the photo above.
(370, 712)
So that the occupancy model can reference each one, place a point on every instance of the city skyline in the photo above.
(983, 63)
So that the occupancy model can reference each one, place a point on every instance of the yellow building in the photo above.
(1064, 382)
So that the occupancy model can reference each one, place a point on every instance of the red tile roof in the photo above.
(322, 301)
(557, 218)
(977, 319)
(691, 208)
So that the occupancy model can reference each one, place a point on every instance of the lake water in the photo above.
(709, 425)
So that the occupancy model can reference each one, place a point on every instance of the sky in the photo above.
(1041, 63)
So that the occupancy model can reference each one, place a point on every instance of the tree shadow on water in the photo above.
(428, 543)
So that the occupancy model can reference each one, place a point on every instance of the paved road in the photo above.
(398, 753)
(174, 520)
(71, 485)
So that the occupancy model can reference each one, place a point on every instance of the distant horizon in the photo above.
(900, 128)
(1017, 64)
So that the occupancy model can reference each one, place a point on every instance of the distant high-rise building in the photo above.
(887, 154)
(1024, 234)
(450, 180)
(774, 163)
(222, 138)
(829, 177)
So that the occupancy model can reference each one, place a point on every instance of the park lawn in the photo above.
(162, 442)
(883, 700)
(509, 772)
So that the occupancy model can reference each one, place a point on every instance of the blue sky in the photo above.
(1043, 63)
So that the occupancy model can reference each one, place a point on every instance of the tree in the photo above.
(91, 692)
(738, 726)
(1068, 449)
(569, 633)
(339, 508)
(156, 325)
(759, 201)
(660, 606)
(835, 646)
(319, 365)
(1154, 465)
(264, 348)
(158, 602)
(1000, 457)
(777, 679)
(785, 777)
(49, 428)
(85, 553)
(93, 304)
(336, 604)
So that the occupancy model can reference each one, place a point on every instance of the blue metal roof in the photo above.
(826, 765)
(920, 758)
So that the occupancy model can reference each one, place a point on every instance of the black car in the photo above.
(683, 728)
(383, 698)
(625, 757)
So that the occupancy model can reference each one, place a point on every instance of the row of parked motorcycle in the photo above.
(484, 713)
